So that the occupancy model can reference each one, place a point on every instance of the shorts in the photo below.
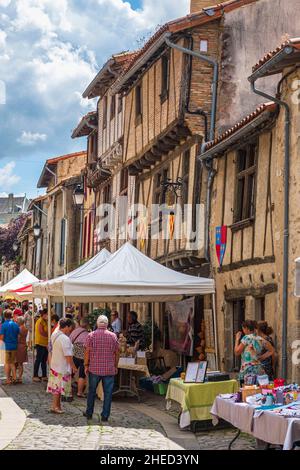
(79, 363)
(10, 357)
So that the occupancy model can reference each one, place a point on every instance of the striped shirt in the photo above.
(102, 346)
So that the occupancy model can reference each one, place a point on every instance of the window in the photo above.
(203, 45)
(106, 200)
(138, 104)
(238, 316)
(245, 190)
(89, 234)
(104, 112)
(159, 195)
(164, 77)
(113, 107)
(62, 241)
(120, 103)
(185, 176)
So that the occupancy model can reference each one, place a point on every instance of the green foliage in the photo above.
(92, 317)
(148, 333)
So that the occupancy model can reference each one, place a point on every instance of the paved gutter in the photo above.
(12, 420)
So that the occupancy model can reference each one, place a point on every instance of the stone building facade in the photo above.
(32, 247)
(60, 176)
(248, 201)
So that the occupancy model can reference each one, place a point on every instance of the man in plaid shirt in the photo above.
(101, 364)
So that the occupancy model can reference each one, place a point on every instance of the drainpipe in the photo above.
(64, 193)
(215, 65)
(286, 218)
(211, 174)
(211, 171)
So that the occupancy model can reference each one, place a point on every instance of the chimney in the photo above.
(10, 203)
(198, 5)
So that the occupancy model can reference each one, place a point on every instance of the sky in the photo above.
(50, 50)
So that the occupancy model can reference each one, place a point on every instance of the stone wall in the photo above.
(249, 33)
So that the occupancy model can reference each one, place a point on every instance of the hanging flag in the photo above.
(171, 225)
(142, 231)
(221, 241)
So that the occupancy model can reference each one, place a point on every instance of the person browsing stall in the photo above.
(41, 342)
(250, 347)
(116, 322)
(78, 338)
(135, 332)
(62, 365)
(9, 334)
(101, 359)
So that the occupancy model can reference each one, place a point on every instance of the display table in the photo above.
(264, 425)
(196, 399)
(127, 380)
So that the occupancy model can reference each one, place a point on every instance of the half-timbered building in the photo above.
(255, 212)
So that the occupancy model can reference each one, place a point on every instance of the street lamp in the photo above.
(171, 189)
(37, 230)
(78, 196)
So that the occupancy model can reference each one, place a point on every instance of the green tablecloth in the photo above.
(196, 400)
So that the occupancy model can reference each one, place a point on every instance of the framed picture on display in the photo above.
(201, 373)
(191, 373)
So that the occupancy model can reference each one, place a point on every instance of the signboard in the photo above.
(181, 325)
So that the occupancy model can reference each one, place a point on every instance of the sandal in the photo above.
(56, 411)
(81, 396)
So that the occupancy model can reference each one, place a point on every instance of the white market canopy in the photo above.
(22, 279)
(128, 276)
(45, 288)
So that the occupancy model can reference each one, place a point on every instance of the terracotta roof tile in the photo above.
(271, 106)
(189, 21)
(54, 160)
(289, 42)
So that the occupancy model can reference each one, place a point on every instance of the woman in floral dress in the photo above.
(62, 365)
(251, 348)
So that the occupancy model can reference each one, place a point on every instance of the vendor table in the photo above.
(264, 425)
(196, 399)
(127, 380)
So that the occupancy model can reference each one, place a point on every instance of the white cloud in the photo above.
(50, 50)
(3, 36)
(31, 138)
(4, 3)
(7, 176)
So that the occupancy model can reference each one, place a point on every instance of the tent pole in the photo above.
(33, 335)
(215, 329)
(64, 307)
(152, 332)
(49, 318)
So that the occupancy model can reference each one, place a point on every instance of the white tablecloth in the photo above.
(268, 427)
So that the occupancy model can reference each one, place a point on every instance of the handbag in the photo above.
(78, 348)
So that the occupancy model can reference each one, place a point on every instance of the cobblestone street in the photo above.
(128, 428)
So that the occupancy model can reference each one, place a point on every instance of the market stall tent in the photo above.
(127, 276)
(45, 288)
(23, 279)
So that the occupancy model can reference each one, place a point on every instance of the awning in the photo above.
(23, 279)
(45, 288)
(128, 276)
